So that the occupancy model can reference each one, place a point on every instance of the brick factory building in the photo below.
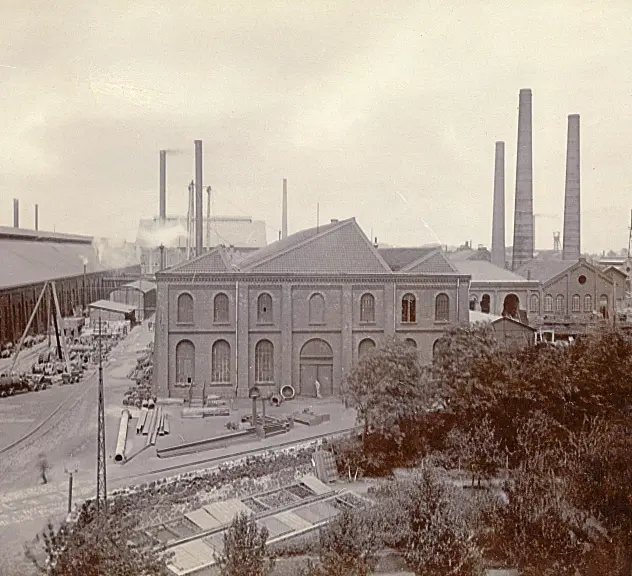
(299, 310)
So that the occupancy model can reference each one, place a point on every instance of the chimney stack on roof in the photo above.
(498, 221)
(36, 217)
(523, 237)
(284, 215)
(199, 221)
(16, 213)
(163, 186)
(571, 241)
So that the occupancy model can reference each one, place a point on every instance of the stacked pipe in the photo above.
(119, 455)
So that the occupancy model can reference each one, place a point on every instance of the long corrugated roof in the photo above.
(143, 286)
(8, 233)
(544, 270)
(112, 306)
(227, 231)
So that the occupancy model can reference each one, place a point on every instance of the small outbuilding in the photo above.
(140, 294)
(110, 311)
(511, 332)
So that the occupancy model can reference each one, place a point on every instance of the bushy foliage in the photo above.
(348, 547)
(245, 549)
(96, 547)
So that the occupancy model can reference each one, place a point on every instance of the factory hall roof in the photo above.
(226, 231)
(545, 270)
(398, 258)
(143, 286)
(483, 271)
(112, 306)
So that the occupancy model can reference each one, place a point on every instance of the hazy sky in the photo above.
(386, 111)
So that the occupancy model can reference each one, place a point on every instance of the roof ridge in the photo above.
(421, 260)
(180, 265)
(373, 249)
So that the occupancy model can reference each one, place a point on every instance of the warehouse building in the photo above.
(140, 295)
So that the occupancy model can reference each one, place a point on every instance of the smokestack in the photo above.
(284, 219)
(163, 186)
(36, 217)
(163, 263)
(16, 213)
(571, 246)
(199, 220)
(523, 214)
(498, 221)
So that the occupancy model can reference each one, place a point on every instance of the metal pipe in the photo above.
(16, 213)
(119, 455)
(163, 186)
(199, 199)
(36, 217)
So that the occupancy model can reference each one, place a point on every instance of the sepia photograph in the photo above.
(316, 288)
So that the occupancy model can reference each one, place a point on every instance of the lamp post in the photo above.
(71, 471)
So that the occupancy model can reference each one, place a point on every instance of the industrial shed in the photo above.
(140, 294)
(513, 333)
(82, 269)
(111, 312)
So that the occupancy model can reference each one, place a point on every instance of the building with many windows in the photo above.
(297, 311)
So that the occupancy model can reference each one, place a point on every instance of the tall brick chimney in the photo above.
(16, 213)
(523, 241)
(498, 220)
(199, 199)
(36, 217)
(571, 242)
(163, 186)
(284, 217)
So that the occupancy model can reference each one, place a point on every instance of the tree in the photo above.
(245, 549)
(100, 546)
(349, 546)
(391, 395)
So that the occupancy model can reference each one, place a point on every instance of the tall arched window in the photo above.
(264, 309)
(408, 308)
(367, 308)
(473, 301)
(412, 343)
(264, 362)
(603, 305)
(485, 304)
(221, 308)
(559, 304)
(534, 304)
(576, 303)
(317, 309)
(588, 305)
(366, 346)
(442, 307)
(548, 303)
(185, 363)
(220, 361)
(185, 309)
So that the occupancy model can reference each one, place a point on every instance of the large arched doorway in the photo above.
(317, 364)
(511, 306)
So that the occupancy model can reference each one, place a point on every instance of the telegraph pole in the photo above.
(102, 505)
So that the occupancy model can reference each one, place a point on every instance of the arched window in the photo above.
(185, 309)
(559, 304)
(534, 304)
(185, 363)
(588, 305)
(473, 301)
(317, 309)
(576, 303)
(436, 347)
(220, 361)
(264, 362)
(408, 308)
(548, 303)
(603, 305)
(366, 347)
(367, 308)
(221, 308)
(442, 307)
(485, 304)
(412, 343)
(264, 309)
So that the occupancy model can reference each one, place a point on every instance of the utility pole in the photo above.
(70, 472)
(102, 494)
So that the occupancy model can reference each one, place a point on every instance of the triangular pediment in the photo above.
(434, 263)
(339, 249)
(578, 268)
(209, 262)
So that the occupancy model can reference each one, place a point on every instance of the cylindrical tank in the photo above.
(119, 455)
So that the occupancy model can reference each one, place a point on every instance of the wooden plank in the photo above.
(315, 485)
(227, 510)
(203, 519)
(167, 424)
(295, 522)
(199, 550)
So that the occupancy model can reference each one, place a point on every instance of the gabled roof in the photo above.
(143, 286)
(339, 247)
(547, 271)
(433, 263)
(615, 269)
(483, 271)
(399, 258)
(482, 317)
(470, 254)
(215, 260)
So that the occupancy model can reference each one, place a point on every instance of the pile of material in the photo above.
(140, 394)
